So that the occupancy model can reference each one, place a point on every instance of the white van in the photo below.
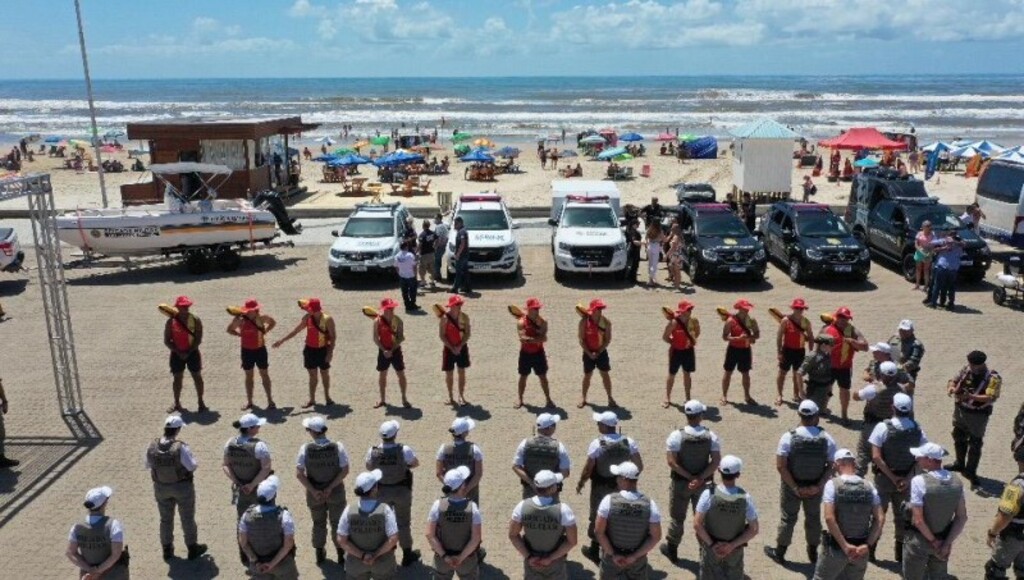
(1000, 196)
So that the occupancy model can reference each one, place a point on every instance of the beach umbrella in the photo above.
(665, 137)
(344, 151)
(1012, 155)
(325, 158)
(866, 162)
(113, 134)
(631, 137)
(460, 137)
(360, 144)
(348, 160)
(939, 146)
(507, 152)
(987, 147)
(380, 140)
(968, 151)
(478, 156)
(461, 149)
(623, 157)
(687, 137)
(592, 140)
(483, 142)
(325, 140)
(53, 139)
(610, 153)
(568, 153)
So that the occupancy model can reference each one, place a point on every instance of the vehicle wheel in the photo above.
(693, 269)
(559, 275)
(228, 260)
(999, 295)
(336, 279)
(796, 270)
(518, 272)
(757, 277)
(974, 276)
(197, 262)
(909, 267)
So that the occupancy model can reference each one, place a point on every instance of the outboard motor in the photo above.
(271, 201)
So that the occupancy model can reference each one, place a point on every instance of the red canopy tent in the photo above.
(862, 138)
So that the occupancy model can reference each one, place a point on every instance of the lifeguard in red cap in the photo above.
(681, 334)
(388, 335)
(533, 333)
(791, 343)
(847, 340)
(183, 334)
(252, 327)
(454, 332)
(321, 337)
(595, 334)
(741, 332)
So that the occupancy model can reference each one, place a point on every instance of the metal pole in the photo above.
(92, 105)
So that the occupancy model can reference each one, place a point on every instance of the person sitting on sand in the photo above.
(664, 149)
(847, 171)
(578, 172)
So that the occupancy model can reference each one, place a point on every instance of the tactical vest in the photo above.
(543, 531)
(880, 408)
(454, 525)
(322, 463)
(896, 447)
(694, 453)
(808, 456)
(628, 522)
(540, 453)
(458, 454)
(1017, 523)
(165, 462)
(93, 540)
(391, 463)
(941, 499)
(727, 517)
(854, 507)
(265, 531)
(612, 453)
(368, 530)
(242, 460)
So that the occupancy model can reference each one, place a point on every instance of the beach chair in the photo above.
(425, 187)
(645, 171)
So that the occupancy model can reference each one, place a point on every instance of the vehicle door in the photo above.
(881, 231)
(787, 236)
(686, 225)
(773, 232)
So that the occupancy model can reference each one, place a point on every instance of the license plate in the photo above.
(584, 263)
(737, 269)
(966, 262)
(843, 268)
(358, 268)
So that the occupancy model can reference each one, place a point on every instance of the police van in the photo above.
(492, 247)
(369, 241)
(586, 237)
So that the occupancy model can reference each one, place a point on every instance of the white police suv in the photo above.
(586, 237)
(492, 247)
(369, 240)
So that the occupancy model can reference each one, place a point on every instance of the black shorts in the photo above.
(843, 378)
(255, 357)
(449, 361)
(681, 359)
(536, 362)
(397, 361)
(791, 359)
(315, 358)
(602, 363)
(194, 363)
(741, 359)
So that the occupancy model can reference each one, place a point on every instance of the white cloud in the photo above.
(384, 21)
(304, 8)
(204, 36)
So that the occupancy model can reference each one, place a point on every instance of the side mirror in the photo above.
(552, 222)
(515, 225)
(334, 233)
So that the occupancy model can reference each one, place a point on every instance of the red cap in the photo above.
(597, 304)
(798, 304)
(313, 305)
(684, 306)
(844, 312)
(183, 302)
(743, 304)
(250, 305)
(388, 304)
(533, 304)
(455, 300)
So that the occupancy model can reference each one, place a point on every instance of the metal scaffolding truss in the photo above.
(36, 187)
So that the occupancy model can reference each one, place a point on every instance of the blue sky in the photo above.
(360, 38)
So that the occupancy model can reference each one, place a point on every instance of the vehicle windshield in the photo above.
(941, 218)
(721, 225)
(484, 219)
(589, 217)
(369, 228)
(820, 225)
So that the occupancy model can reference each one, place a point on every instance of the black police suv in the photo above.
(717, 244)
(810, 241)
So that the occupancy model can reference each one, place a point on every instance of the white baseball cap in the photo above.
(248, 421)
(367, 479)
(881, 347)
(267, 489)
(545, 478)
(730, 465)
(929, 450)
(388, 429)
(694, 407)
(903, 402)
(547, 420)
(462, 425)
(315, 423)
(626, 469)
(454, 478)
(97, 496)
(174, 422)
(906, 324)
(843, 453)
(888, 368)
(808, 408)
(608, 418)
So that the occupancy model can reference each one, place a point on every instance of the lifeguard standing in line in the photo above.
(847, 339)
(183, 334)
(595, 334)
(454, 332)
(790, 342)
(388, 335)
(533, 333)
(321, 337)
(681, 334)
(252, 328)
(741, 332)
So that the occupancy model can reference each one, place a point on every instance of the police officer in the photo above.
(171, 465)
(854, 518)
(725, 521)
(321, 468)
(878, 399)
(882, 352)
(543, 530)
(96, 546)
(396, 462)
(454, 528)
(975, 389)
(816, 371)
(938, 514)
(610, 448)
(368, 534)
(541, 452)
(246, 463)
(266, 534)
(803, 460)
(462, 452)
(628, 526)
(890, 443)
(693, 454)
(907, 349)
(1006, 535)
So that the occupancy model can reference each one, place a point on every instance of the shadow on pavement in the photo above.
(170, 272)
(202, 568)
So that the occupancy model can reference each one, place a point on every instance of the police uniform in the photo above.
(894, 437)
(171, 464)
(607, 450)
(938, 493)
(727, 512)
(878, 399)
(266, 527)
(393, 460)
(907, 353)
(94, 537)
(455, 519)
(369, 525)
(462, 453)
(970, 419)
(323, 460)
(244, 457)
(1009, 548)
(544, 522)
(817, 372)
(538, 453)
(808, 451)
(693, 447)
(855, 500)
(628, 515)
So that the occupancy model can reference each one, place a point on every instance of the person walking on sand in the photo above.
(252, 327)
(321, 337)
(790, 342)
(183, 334)
(388, 335)
(454, 331)
(533, 333)
(740, 332)
(595, 334)
(681, 334)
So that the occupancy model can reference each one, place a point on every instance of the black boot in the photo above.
(812, 553)
(871, 553)
(410, 557)
(898, 551)
(481, 553)
(592, 552)
(168, 552)
(671, 551)
(8, 462)
(341, 556)
(777, 554)
(321, 556)
(243, 558)
(196, 550)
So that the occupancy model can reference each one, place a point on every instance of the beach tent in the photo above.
(987, 147)
(939, 146)
(763, 157)
(702, 148)
(862, 138)
(609, 136)
(968, 152)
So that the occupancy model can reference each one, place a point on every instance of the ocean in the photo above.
(521, 108)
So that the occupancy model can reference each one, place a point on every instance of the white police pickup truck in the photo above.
(586, 237)
(368, 242)
(11, 256)
(492, 247)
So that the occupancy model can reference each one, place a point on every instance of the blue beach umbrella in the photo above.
(52, 139)
(631, 137)
(866, 162)
(348, 160)
(325, 158)
(479, 156)
(507, 152)
(610, 153)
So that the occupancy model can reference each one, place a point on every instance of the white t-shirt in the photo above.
(287, 523)
(605, 506)
(829, 493)
(407, 453)
(368, 505)
(441, 230)
(564, 463)
(435, 511)
(917, 485)
(300, 461)
(262, 451)
(881, 431)
(405, 261)
(188, 460)
(595, 451)
(704, 503)
(478, 455)
(675, 439)
(786, 441)
(116, 530)
(568, 518)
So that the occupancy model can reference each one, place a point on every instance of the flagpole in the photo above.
(92, 105)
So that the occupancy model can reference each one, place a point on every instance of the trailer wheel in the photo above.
(197, 262)
(999, 295)
(228, 260)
